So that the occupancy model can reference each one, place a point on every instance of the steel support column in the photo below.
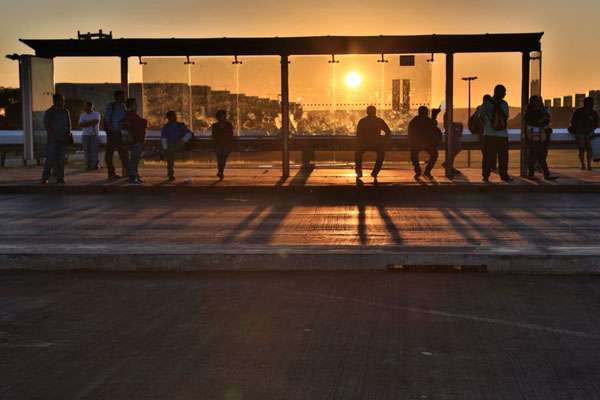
(524, 100)
(285, 118)
(125, 75)
(449, 118)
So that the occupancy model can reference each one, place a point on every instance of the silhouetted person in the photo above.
(495, 134)
(57, 122)
(89, 121)
(222, 134)
(172, 136)
(477, 126)
(423, 135)
(136, 131)
(113, 116)
(368, 132)
(538, 134)
(583, 124)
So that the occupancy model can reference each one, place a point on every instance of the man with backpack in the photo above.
(113, 116)
(495, 134)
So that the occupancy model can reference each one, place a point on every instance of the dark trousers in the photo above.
(414, 158)
(222, 154)
(170, 153)
(55, 160)
(134, 161)
(113, 143)
(495, 148)
(379, 148)
(537, 155)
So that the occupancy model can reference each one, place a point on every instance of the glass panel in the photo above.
(248, 88)
(331, 94)
(42, 89)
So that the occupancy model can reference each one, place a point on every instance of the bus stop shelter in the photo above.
(124, 48)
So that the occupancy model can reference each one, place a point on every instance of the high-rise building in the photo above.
(595, 94)
(557, 102)
(548, 103)
(568, 101)
(579, 98)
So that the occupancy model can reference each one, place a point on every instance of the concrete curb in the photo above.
(345, 189)
(295, 259)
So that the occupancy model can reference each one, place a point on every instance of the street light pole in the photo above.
(469, 79)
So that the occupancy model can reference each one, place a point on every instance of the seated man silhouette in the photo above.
(423, 135)
(369, 138)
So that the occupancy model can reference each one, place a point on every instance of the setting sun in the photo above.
(353, 80)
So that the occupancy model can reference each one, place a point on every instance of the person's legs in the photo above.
(433, 157)
(136, 152)
(532, 158)
(379, 161)
(543, 159)
(588, 153)
(60, 161)
(170, 161)
(414, 159)
(85, 144)
(50, 162)
(358, 155)
(581, 147)
(94, 151)
(502, 151)
(124, 156)
(109, 155)
(487, 150)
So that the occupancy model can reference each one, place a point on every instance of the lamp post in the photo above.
(469, 79)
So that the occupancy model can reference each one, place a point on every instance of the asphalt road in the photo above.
(376, 335)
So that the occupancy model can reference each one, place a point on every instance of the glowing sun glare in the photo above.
(353, 80)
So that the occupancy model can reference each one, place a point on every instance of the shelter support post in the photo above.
(285, 118)
(524, 101)
(125, 75)
(449, 118)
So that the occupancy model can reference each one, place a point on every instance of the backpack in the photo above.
(476, 125)
(499, 119)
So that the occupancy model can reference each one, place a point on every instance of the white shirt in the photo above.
(90, 130)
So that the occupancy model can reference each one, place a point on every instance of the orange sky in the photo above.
(570, 44)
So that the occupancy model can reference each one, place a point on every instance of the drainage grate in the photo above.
(437, 268)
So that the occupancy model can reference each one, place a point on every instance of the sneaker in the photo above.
(113, 177)
(60, 181)
(486, 179)
(507, 178)
(550, 177)
(134, 182)
(139, 180)
(417, 176)
(428, 175)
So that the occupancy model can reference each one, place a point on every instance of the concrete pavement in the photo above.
(303, 336)
(508, 232)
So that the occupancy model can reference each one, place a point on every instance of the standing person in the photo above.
(172, 136)
(477, 126)
(583, 124)
(495, 135)
(57, 122)
(538, 134)
(89, 120)
(222, 134)
(368, 133)
(136, 132)
(114, 114)
(423, 135)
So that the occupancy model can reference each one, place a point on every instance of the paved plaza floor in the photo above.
(343, 335)
(269, 176)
